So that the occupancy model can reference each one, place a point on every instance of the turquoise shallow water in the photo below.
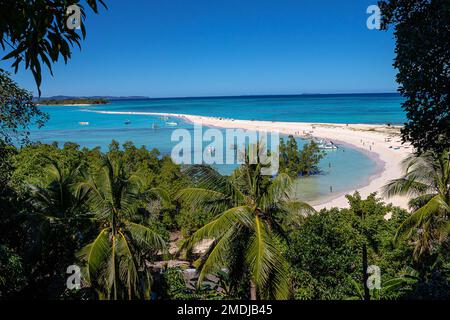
(348, 108)
(350, 167)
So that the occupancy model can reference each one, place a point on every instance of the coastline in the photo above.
(323, 202)
(65, 105)
(368, 138)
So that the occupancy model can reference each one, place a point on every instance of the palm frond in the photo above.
(404, 186)
(96, 253)
(127, 266)
(294, 212)
(418, 218)
(260, 257)
(160, 193)
(239, 215)
(217, 255)
(278, 286)
(145, 236)
(206, 177)
(265, 259)
(418, 202)
(208, 200)
(281, 187)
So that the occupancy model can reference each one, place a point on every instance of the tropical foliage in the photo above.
(114, 212)
(421, 29)
(339, 236)
(34, 42)
(17, 111)
(427, 180)
(115, 260)
(296, 162)
(247, 232)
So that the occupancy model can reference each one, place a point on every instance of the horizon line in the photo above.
(138, 97)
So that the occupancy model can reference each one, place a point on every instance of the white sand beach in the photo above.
(369, 138)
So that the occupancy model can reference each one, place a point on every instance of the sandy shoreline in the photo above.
(366, 137)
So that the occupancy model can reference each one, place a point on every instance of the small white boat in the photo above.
(327, 145)
(154, 126)
(171, 123)
(83, 123)
(165, 118)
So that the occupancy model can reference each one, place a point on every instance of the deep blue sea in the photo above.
(350, 167)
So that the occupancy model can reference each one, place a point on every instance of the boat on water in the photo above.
(171, 123)
(127, 121)
(83, 123)
(154, 126)
(165, 118)
(327, 145)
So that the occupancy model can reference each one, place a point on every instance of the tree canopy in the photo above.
(303, 162)
(36, 32)
(421, 29)
(17, 111)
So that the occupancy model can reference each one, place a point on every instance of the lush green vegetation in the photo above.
(36, 42)
(296, 162)
(421, 30)
(251, 212)
(55, 102)
(427, 179)
(17, 111)
(71, 205)
(113, 213)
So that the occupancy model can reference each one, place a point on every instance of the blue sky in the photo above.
(168, 48)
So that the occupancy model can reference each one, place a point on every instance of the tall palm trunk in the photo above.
(365, 275)
(252, 290)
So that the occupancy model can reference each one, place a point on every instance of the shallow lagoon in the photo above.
(344, 169)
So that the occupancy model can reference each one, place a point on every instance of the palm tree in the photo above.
(53, 194)
(55, 224)
(247, 229)
(115, 260)
(427, 179)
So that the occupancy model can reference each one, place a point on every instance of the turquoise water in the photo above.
(350, 167)
(353, 108)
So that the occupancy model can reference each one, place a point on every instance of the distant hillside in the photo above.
(72, 101)
(110, 98)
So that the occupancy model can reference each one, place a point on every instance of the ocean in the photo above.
(343, 169)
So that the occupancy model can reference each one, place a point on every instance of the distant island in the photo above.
(108, 98)
(75, 101)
